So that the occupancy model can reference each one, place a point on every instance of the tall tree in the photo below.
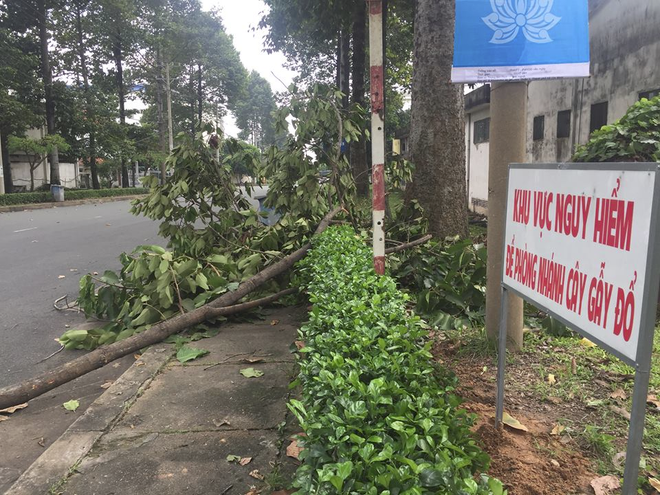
(438, 130)
(318, 38)
(359, 148)
(20, 89)
(33, 18)
(118, 19)
(254, 113)
(43, 18)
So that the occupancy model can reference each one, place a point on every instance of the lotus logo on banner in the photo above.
(508, 40)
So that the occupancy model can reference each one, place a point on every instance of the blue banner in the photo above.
(520, 40)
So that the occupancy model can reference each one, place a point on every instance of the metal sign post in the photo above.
(377, 83)
(582, 244)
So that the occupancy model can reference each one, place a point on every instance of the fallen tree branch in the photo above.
(403, 247)
(224, 305)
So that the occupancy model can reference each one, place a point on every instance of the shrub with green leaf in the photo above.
(70, 194)
(447, 280)
(633, 138)
(379, 417)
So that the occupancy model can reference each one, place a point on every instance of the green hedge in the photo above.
(380, 418)
(69, 194)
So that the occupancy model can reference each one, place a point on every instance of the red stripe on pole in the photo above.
(379, 265)
(377, 89)
(375, 7)
(378, 179)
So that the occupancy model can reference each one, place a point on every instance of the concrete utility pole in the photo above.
(377, 61)
(508, 131)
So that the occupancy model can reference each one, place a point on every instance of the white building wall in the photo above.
(625, 48)
(21, 174)
(477, 162)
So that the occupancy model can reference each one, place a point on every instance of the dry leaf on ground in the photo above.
(293, 450)
(587, 343)
(512, 422)
(618, 459)
(655, 483)
(257, 475)
(653, 400)
(605, 485)
(13, 409)
(299, 344)
(557, 430)
(618, 394)
(274, 322)
(551, 379)
(620, 411)
(245, 461)
(62, 276)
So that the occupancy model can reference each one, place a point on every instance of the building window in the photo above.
(482, 131)
(649, 94)
(539, 127)
(564, 124)
(598, 116)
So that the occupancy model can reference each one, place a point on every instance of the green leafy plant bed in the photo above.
(378, 416)
(70, 194)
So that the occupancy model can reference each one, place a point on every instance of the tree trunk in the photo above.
(118, 55)
(193, 100)
(200, 96)
(47, 77)
(359, 149)
(345, 67)
(162, 128)
(89, 105)
(438, 129)
(6, 165)
(34, 387)
(92, 160)
(32, 177)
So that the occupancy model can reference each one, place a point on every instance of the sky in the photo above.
(240, 18)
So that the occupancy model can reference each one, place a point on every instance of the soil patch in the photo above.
(540, 461)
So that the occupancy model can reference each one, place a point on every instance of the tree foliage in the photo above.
(254, 113)
(633, 138)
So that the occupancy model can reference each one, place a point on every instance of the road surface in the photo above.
(43, 254)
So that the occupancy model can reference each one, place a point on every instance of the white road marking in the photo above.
(25, 230)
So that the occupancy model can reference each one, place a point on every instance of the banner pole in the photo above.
(501, 356)
(636, 432)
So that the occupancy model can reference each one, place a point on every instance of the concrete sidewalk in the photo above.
(167, 428)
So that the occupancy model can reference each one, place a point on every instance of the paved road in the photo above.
(36, 249)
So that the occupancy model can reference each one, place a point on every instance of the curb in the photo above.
(54, 465)
(73, 202)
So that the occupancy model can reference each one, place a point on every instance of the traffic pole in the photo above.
(377, 63)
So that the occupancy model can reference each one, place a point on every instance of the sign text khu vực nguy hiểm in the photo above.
(577, 244)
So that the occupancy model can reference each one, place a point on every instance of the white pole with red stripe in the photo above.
(377, 83)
